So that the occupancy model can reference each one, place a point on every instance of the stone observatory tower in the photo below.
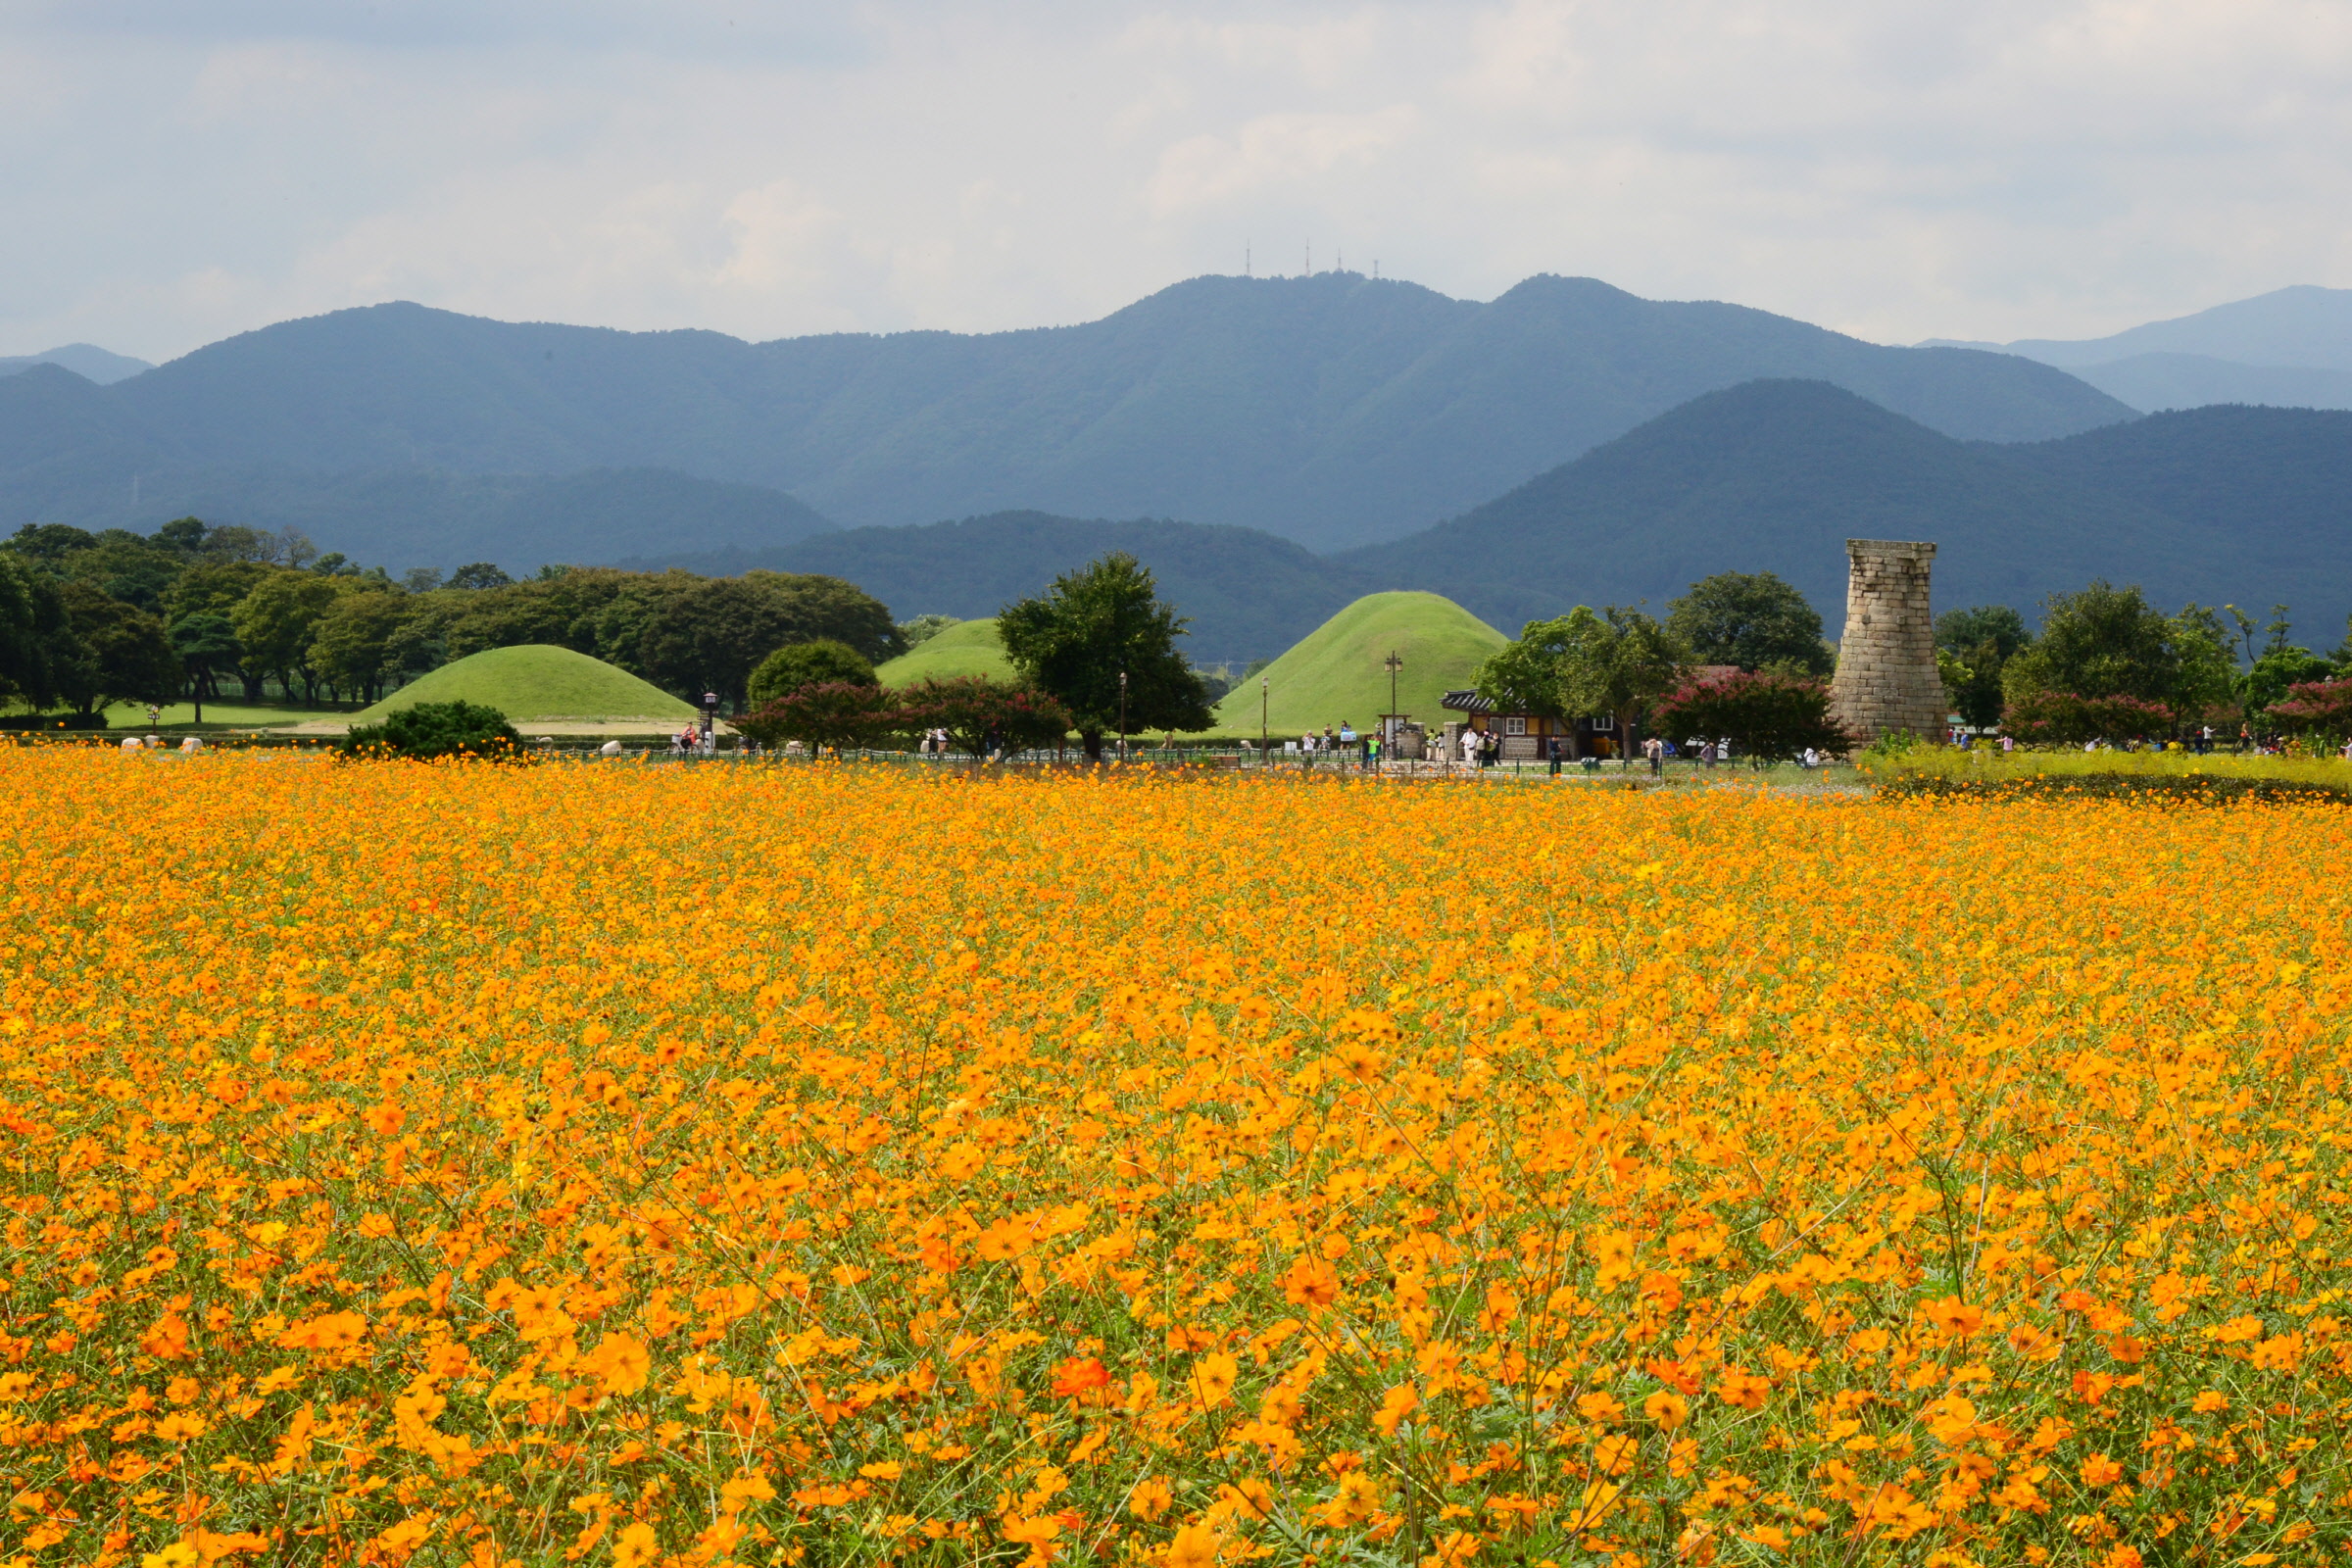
(1887, 678)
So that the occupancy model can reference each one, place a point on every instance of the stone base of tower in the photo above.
(1887, 680)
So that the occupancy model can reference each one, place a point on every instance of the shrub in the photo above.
(2320, 708)
(2061, 718)
(438, 729)
(1767, 718)
(833, 712)
(974, 709)
(2186, 789)
(37, 722)
(813, 663)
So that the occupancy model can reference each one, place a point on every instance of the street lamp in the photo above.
(1265, 753)
(1394, 663)
(711, 722)
(1122, 715)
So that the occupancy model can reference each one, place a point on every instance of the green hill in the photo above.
(536, 681)
(971, 648)
(1335, 673)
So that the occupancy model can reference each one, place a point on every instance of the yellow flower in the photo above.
(1666, 1410)
(1214, 1376)
(1194, 1546)
(634, 1547)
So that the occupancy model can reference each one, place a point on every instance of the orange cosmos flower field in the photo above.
(642, 1165)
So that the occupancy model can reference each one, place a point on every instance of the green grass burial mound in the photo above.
(1336, 673)
(536, 681)
(967, 648)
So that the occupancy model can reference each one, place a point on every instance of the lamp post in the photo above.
(1265, 753)
(1394, 663)
(711, 722)
(1122, 715)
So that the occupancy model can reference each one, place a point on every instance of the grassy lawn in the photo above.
(234, 713)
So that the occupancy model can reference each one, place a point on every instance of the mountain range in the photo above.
(1333, 409)
(2289, 348)
(2224, 503)
(1580, 444)
(85, 360)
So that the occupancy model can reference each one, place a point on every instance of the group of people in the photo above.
(1331, 742)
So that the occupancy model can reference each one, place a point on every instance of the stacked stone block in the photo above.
(1887, 678)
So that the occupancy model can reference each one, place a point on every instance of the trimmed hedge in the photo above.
(2171, 789)
(432, 730)
(34, 723)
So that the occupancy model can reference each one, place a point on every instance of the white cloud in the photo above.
(1273, 150)
(1993, 168)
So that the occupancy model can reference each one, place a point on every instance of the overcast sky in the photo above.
(176, 170)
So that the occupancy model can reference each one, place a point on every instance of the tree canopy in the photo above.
(1973, 647)
(266, 607)
(1076, 640)
(1963, 631)
(115, 651)
(1615, 662)
(827, 713)
(2105, 641)
(975, 710)
(810, 664)
(1767, 716)
(1751, 619)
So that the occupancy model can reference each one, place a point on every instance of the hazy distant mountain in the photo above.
(2303, 325)
(2290, 348)
(2157, 381)
(1247, 593)
(71, 452)
(2225, 504)
(85, 360)
(1330, 410)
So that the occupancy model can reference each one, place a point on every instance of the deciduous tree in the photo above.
(975, 710)
(205, 644)
(1583, 663)
(350, 643)
(1753, 620)
(2107, 641)
(1767, 716)
(274, 623)
(809, 664)
(32, 621)
(113, 653)
(1075, 641)
(2068, 718)
(833, 712)
(2320, 708)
